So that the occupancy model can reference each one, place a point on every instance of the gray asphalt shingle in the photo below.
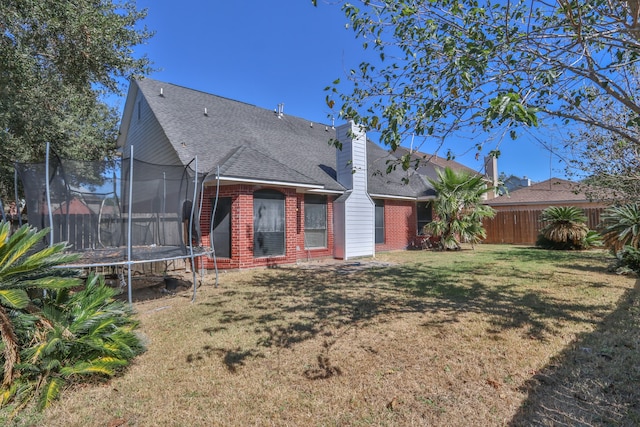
(250, 142)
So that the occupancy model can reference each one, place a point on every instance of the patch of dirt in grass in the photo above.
(412, 338)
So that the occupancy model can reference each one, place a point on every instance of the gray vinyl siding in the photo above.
(150, 144)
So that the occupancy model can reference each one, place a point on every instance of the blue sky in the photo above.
(287, 51)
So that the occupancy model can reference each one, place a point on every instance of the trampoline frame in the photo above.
(192, 254)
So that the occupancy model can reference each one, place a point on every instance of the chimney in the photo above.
(491, 169)
(353, 212)
(352, 159)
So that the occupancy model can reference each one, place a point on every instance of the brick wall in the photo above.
(400, 224)
(242, 228)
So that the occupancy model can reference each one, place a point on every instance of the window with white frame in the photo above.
(315, 221)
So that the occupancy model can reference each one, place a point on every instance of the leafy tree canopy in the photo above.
(609, 163)
(58, 62)
(442, 66)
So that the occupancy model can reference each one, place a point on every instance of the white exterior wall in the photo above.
(354, 227)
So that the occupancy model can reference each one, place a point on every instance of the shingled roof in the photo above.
(554, 190)
(252, 143)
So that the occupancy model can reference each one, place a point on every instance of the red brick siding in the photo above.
(303, 253)
(400, 224)
(242, 228)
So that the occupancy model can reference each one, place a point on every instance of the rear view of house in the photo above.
(281, 192)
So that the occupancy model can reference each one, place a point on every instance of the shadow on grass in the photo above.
(595, 380)
(232, 358)
(291, 305)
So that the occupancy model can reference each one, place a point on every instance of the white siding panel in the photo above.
(359, 226)
(150, 144)
(358, 208)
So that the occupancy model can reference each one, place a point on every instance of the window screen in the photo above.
(222, 227)
(379, 220)
(268, 223)
(315, 221)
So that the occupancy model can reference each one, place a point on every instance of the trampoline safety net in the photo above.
(103, 208)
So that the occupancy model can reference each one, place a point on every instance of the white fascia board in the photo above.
(323, 191)
(386, 196)
(212, 179)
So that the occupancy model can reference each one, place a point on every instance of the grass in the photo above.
(499, 335)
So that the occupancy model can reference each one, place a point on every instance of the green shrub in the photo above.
(628, 261)
(593, 239)
(566, 230)
(621, 227)
(59, 336)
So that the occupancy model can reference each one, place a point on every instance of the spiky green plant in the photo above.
(62, 336)
(88, 333)
(593, 239)
(566, 228)
(22, 269)
(458, 208)
(621, 227)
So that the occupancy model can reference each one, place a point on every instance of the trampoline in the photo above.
(117, 212)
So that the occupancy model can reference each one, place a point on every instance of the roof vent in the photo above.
(280, 110)
(310, 124)
(205, 111)
(161, 92)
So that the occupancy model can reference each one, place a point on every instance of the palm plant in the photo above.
(89, 333)
(22, 269)
(61, 335)
(458, 208)
(566, 228)
(621, 226)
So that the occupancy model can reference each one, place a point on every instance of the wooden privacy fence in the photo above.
(521, 227)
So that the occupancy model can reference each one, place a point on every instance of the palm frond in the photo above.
(102, 366)
(7, 393)
(50, 392)
(14, 298)
(51, 282)
(621, 226)
(18, 246)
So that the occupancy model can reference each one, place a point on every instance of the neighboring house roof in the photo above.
(512, 182)
(429, 164)
(256, 144)
(74, 207)
(554, 190)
